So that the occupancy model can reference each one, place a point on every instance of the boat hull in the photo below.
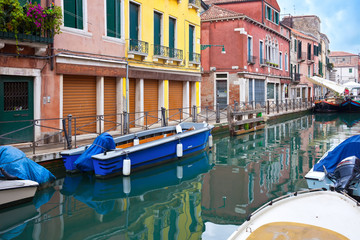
(14, 192)
(151, 156)
(350, 106)
(326, 107)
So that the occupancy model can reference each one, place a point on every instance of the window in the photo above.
(172, 26)
(259, 90)
(251, 97)
(191, 42)
(73, 14)
(268, 13)
(276, 20)
(261, 49)
(309, 71)
(249, 54)
(286, 62)
(350, 70)
(157, 33)
(295, 45)
(280, 61)
(270, 91)
(298, 92)
(134, 26)
(113, 18)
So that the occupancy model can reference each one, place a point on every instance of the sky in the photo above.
(340, 20)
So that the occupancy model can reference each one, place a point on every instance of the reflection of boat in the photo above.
(328, 105)
(14, 220)
(309, 214)
(13, 192)
(335, 167)
(95, 191)
(146, 148)
(326, 117)
(350, 119)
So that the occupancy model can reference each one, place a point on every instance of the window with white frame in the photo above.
(280, 60)
(249, 52)
(261, 52)
(286, 62)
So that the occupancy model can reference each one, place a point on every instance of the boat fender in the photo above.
(248, 217)
(126, 167)
(178, 128)
(136, 141)
(179, 150)
(332, 188)
(210, 141)
(126, 185)
(179, 172)
(295, 194)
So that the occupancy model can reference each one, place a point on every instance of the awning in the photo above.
(351, 85)
(333, 86)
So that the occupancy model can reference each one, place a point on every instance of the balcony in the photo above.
(251, 60)
(196, 4)
(139, 48)
(176, 54)
(194, 58)
(263, 62)
(296, 77)
(310, 59)
(160, 52)
(301, 56)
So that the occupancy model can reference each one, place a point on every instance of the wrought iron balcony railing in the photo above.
(263, 62)
(301, 56)
(161, 51)
(176, 53)
(251, 59)
(194, 58)
(138, 47)
(37, 36)
(195, 3)
(296, 77)
(310, 59)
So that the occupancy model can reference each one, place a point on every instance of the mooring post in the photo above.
(125, 123)
(194, 114)
(163, 117)
(69, 131)
(217, 113)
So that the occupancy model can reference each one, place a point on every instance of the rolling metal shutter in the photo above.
(175, 99)
(109, 104)
(79, 100)
(151, 96)
(132, 84)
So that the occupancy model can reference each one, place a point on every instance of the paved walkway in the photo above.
(50, 152)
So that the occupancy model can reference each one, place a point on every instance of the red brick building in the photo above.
(254, 67)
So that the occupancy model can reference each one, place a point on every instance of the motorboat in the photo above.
(309, 214)
(144, 149)
(14, 192)
(339, 168)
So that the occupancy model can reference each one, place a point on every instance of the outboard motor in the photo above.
(345, 173)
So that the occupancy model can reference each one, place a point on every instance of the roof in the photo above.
(273, 3)
(215, 12)
(341, 54)
(304, 35)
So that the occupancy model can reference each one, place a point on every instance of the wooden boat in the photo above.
(350, 105)
(310, 214)
(328, 105)
(13, 192)
(339, 168)
(145, 148)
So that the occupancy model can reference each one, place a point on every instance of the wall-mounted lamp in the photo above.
(205, 46)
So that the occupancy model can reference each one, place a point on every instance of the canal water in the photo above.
(206, 196)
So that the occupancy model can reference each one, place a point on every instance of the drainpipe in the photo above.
(262, 11)
(127, 90)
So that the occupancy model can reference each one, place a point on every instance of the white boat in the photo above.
(310, 214)
(339, 168)
(13, 192)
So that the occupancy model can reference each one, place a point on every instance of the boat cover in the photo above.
(15, 162)
(102, 143)
(349, 147)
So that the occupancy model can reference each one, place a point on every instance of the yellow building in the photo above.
(163, 50)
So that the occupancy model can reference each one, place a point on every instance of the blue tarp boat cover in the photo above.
(349, 147)
(15, 163)
(102, 143)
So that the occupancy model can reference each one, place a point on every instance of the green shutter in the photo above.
(191, 43)
(172, 36)
(134, 21)
(79, 14)
(113, 16)
(73, 14)
(157, 30)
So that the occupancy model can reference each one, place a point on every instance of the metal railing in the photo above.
(66, 131)
(138, 46)
(301, 56)
(296, 77)
(194, 57)
(196, 3)
(160, 50)
(251, 59)
(176, 53)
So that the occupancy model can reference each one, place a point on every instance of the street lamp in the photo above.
(205, 46)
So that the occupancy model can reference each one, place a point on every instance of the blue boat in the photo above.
(144, 149)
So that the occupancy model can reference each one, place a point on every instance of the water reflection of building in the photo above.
(251, 169)
(159, 203)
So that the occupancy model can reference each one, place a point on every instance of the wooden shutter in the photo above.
(109, 104)
(132, 93)
(175, 99)
(79, 100)
(151, 96)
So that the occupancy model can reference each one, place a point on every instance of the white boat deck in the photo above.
(324, 209)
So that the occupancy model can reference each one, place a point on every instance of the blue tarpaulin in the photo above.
(349, 147)
(102, 143)
(15, 163)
